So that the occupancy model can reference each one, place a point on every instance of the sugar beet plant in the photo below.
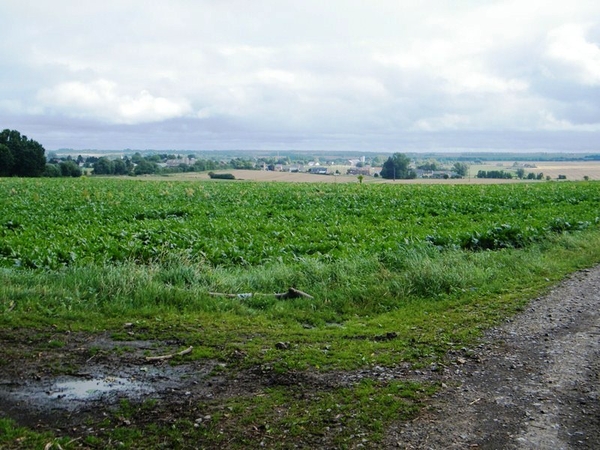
(48, 224)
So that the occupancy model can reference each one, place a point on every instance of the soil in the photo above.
(532, 383)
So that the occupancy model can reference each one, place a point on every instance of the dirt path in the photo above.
(531, 384)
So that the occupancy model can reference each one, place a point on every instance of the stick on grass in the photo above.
(170, 355)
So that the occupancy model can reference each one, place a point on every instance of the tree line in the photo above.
(138, 164)
(498, 174)
(397, 167)
(24, 157)
(501, 174)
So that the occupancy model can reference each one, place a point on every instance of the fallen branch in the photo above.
(291, 293)
(171, 355)
(222, 294)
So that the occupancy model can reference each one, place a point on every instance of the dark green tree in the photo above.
(69, 168)
(432, 164)
(6, 161)
(28, 158)
(156, 158)
(500, 174)
(396, 167)
(128, 164)
(461, 168)
(52, 171)
(120, 168)
(103, 166)
(145, 167)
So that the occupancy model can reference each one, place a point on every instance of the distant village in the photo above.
(421, 166)
(138, 164)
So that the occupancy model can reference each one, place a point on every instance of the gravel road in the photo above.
(532, 383)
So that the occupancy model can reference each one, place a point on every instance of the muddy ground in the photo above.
(532, 383)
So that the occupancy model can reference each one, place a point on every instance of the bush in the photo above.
(498, 174)
(221, 176)
(52, 171)
(69, 169)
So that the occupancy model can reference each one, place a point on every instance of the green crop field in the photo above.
(52, 224)
(428, 267)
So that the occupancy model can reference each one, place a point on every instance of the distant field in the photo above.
(572, 170)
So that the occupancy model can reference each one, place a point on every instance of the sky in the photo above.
(372, 75)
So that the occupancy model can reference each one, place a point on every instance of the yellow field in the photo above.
(572, 170)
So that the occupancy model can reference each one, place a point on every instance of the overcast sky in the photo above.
(372, 75)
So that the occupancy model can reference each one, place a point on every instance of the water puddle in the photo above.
(103, 385)
(95, 388)
(71, 393)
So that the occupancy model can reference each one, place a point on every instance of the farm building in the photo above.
(360, 171)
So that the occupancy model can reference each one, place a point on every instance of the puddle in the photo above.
(103, 385)
(95, 388)
(30, 393)
(100, 385)
(70, 393)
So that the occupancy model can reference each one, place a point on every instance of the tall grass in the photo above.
(343, 289)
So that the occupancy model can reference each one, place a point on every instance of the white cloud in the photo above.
(568, 46)
(456, 74)
(277, 77)
(445, 122)
(101, 98)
